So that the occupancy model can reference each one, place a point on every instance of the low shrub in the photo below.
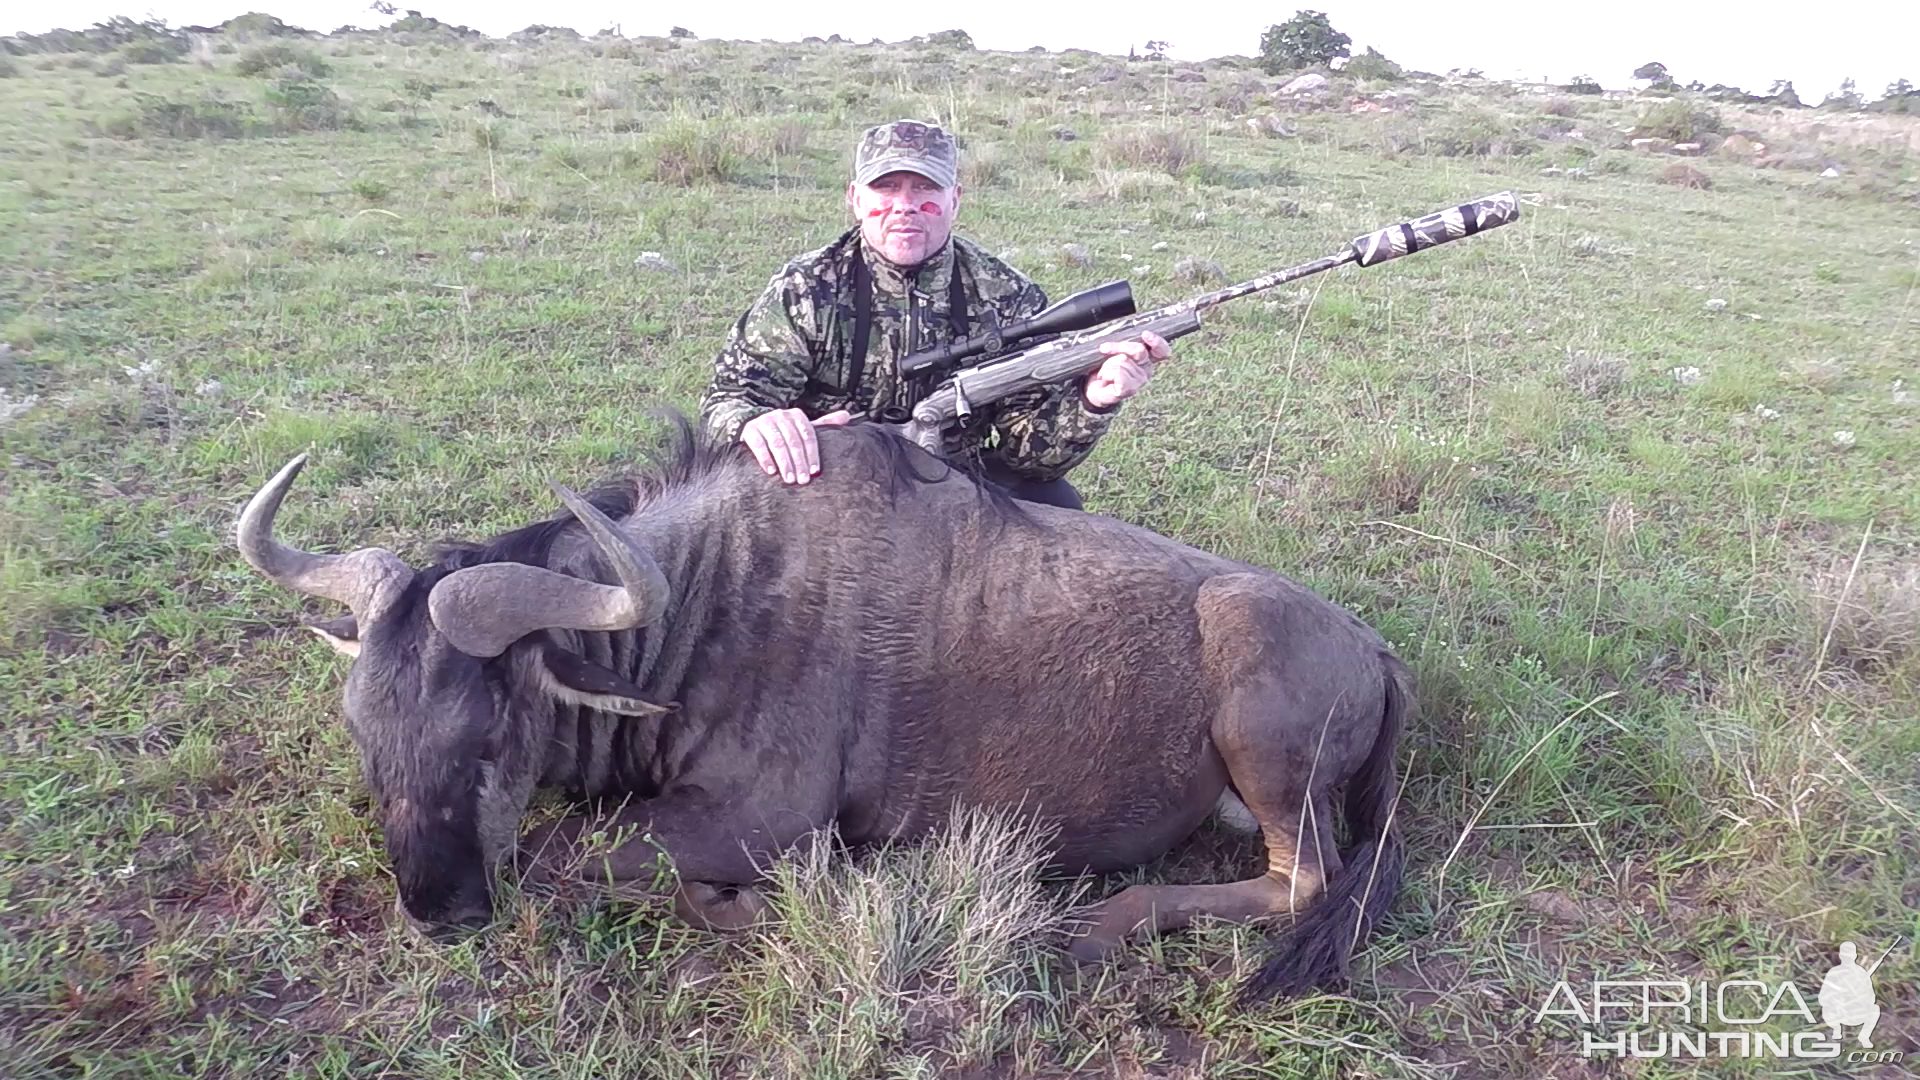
(687, 152)
(1680, 121)
(208, 117)
(300, 104)
(1168, 150)
(1372, 65)
(265, 59)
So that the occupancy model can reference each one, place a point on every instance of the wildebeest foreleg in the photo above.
(710, 851)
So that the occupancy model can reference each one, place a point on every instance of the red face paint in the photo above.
(930, 208)
(878, 211)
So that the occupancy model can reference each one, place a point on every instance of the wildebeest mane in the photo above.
(683, 457)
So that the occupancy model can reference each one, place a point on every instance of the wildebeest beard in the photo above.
(867, 653)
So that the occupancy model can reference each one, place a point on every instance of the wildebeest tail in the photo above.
(1315, 951)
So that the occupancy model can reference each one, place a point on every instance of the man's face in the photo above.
(904, 216)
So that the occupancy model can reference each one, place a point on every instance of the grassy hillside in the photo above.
(1631, 484)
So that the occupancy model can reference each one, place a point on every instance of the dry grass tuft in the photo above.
(1686, 176)
(985, 165)
(604, 97)
(926, 950)
(1396, 471)
(1872, 613)
(1822, 375)
(1595, 376)
(687, 152)
(1126, 185)
(1167, 150)
(1622, 520)
(782, 138)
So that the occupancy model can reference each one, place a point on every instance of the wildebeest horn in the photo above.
(363, 580)
(483, 609)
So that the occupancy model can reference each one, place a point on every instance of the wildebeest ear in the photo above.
(342, 633)
(583, 682)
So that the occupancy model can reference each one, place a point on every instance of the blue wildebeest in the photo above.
(749, 662)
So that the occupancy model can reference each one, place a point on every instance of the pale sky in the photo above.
(1747, 44)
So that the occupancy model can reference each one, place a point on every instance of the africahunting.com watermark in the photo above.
(1743, 1018)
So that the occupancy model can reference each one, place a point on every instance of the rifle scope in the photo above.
(1100, 304)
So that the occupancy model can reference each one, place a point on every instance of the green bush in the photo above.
(1900, 97)
(1262, 177)
(254, 25)
(154, 51)
(108, 36)
(1372, 65)
(1306, 40)
(1679, 121)
(416, 23)
(155, 116)
(950, 39)
(262, 59)
(1466, 134)
(300, 104)
(687, 152)
(8, 69)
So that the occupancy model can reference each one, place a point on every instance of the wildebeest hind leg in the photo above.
(1299, 862)
(1271, 762)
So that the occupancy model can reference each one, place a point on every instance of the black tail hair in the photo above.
(1317, 949)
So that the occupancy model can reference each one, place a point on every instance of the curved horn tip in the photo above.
(292, 468)
(580, 508)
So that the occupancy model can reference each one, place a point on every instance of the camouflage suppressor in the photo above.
(1078, 353)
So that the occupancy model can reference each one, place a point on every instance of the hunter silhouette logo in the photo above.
(1846, 995)
(1674, 1018)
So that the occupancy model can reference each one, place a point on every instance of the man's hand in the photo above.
(783, 442)
(1128, 367)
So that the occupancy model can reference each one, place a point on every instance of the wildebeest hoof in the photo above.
(719, 907)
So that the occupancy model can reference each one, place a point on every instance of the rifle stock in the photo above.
(1078, 353)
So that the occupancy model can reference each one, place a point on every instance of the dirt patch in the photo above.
(348, 908)
(1419, 984)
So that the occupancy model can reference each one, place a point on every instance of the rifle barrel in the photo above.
(1072, 353)
(1268, 281)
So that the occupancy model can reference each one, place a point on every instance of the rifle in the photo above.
(1082, 321)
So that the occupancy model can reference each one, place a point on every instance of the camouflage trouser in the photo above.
(1055, 492)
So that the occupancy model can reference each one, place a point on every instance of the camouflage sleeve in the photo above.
(764, 364)
(1042, 433)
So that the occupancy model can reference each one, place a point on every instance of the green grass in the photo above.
(1483, 450)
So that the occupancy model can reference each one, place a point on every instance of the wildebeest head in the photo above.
(431, 698)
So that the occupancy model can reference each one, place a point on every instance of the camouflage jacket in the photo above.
(793, 349)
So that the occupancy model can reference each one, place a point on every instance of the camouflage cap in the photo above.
(926, 149)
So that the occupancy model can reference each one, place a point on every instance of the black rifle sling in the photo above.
(863, 315)
(957, 301)
(862, 321)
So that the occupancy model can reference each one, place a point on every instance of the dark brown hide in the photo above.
(870, 654)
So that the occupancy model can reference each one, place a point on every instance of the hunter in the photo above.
(825, 338)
